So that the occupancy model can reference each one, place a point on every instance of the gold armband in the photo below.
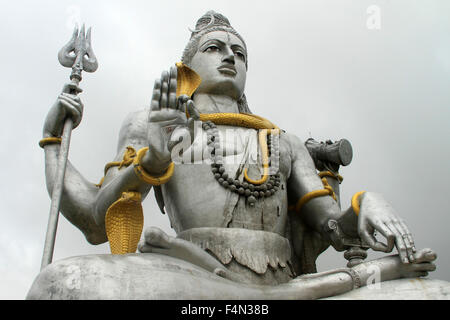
(330, 174)
(49, 140)
(145, 176)
(128, 158)
(355, 202)
(326, 191)
(311, 195)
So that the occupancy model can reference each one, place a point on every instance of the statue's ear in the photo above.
(187, 80)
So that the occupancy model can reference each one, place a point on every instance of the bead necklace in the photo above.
(250, 191)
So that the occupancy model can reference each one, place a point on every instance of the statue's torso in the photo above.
(196, 204)
(194, 198)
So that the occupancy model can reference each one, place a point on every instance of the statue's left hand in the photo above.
(377, 214)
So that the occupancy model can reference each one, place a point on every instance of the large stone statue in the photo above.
(250, 210)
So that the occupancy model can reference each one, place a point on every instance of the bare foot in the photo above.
(391, 267)
(154, 238)
(423, 263)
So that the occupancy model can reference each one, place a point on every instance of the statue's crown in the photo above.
(211, 19)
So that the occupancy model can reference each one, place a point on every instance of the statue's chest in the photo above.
(241, 150)
(237, 147)
(231, 142)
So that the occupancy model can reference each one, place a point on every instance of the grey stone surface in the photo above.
(401, 289)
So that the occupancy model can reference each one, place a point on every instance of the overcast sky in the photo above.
(316, 69)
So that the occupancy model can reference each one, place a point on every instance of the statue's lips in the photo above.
(230, 70)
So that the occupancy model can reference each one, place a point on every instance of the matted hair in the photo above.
(209, 22)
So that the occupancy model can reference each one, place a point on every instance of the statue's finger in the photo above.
(164, 98)
(72, 112)
(173, 77)
(399, 242)
(71, 88)
(403, 230)
(172, 95)
(385, 232)
(409, 235)
(72, 103)
(156, 96)
(72, 97)
(193, 112)
(181, 102)
(164, 89)
(372, 241)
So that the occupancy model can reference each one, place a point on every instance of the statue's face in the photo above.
(220, 62)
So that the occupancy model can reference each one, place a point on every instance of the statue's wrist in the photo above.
(148, 177)
(152, 166)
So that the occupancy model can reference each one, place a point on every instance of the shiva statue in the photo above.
(252, 205)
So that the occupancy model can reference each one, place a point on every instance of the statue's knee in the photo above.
(58, 280)
(65, 279)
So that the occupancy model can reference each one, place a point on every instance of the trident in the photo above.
(78, 55)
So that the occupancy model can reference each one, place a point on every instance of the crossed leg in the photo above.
(157, 276)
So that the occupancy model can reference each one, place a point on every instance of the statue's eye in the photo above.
(240, 55)
(212, 48)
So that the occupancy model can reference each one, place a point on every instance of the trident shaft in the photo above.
(78, 55)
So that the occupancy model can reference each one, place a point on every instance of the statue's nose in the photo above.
(229, 58)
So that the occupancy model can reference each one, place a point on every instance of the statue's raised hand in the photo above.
(168, 124)
(68, 104)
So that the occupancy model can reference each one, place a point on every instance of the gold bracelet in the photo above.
(128, 158)
(49, 140)
(144, 176)
(355, 202)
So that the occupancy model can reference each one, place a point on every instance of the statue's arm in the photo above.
(82, 202)
(375, 212)
(303, 179)
(78, 196)
(132, 134)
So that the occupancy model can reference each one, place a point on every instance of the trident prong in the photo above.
(78, 55)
